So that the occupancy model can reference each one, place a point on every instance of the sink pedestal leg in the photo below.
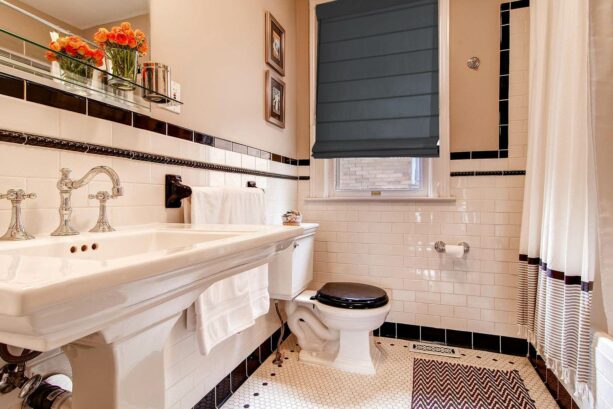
(126, 373)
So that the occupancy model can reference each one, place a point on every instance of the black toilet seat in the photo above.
(352, 296)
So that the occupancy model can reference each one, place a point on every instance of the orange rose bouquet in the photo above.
(123, 45)
(75, 58)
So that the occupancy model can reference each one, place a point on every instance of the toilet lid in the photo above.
(352, 295)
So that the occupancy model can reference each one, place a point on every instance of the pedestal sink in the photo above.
(110, 300)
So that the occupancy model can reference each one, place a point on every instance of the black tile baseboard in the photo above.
(217, 396)
(462, 339)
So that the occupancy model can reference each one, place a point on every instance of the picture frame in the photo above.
(275, 44)
(275, 99)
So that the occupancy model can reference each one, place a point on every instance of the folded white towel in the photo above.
(233, 304)
(220, 205)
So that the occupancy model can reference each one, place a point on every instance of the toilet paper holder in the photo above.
(439, 246)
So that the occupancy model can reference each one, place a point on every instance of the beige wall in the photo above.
(216, 51)
(475, 31)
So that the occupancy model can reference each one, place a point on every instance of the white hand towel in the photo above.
(233, 304)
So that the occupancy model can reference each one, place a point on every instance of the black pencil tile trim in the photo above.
(505, 6)
(503, 137)
(459, 155)
(149, 124)
(520, 4)
(505, 17)
(503, 154)
(505, 34)
(12, 86)
(430, 334)
(484, 154)
(52, 97)
(108, 112)
(486, 342)
(180, 132)
(514, 346)
(62, 144)
(37, 93)
(460, 339)
(276, 158)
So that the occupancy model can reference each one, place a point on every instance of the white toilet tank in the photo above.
(291, 271)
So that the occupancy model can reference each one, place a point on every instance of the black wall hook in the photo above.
(175, 191)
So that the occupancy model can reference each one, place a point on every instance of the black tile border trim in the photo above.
(478, 341)
(503, 88)
(16, 88)
(554, 385)
(489, 173)
(264, 350)
(482, 342)
(82, 147)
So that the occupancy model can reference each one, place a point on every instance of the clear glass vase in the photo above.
(124, 66)
(77, 75)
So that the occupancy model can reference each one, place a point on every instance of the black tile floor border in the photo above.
(64, 144)
(34, 92)
(230, 383)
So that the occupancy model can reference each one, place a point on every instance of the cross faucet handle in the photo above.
(102, 197)
(16, 231)
(17, 195)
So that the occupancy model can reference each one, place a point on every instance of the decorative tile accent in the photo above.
(108, 112)
(52, 97)
(11, 86)
(181, 133)
(62, 144)
(489, 173)
(149, 124)
(37, 93)
(439, 384)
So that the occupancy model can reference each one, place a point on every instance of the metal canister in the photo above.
(156, 82)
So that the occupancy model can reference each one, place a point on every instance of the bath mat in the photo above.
(433, 349)
(445, 385)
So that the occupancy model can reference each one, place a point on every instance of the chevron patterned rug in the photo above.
(444, 385)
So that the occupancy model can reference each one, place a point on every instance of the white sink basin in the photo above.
(113, 246)
(111, 299)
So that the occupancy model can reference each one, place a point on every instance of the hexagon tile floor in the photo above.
(300, 386)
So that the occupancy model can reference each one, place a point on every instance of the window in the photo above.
(381, 176)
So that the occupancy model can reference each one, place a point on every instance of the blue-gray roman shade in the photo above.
(377, 79)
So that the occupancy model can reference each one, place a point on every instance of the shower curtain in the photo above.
(558, 236)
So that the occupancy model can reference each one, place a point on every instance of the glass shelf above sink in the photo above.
(24, 58)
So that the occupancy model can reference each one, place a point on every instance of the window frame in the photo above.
(425, 165)
(322, 171)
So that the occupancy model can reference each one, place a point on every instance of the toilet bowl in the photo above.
(334, 325)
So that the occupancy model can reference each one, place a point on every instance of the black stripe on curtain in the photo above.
(377, 82)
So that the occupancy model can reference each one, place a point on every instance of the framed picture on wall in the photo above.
(275, 44)
(275, 99)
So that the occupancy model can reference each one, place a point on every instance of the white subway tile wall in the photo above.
(189, 375)
(392, 245)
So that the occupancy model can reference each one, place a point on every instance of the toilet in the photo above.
(334, 324)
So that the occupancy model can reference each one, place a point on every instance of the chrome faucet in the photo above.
(66, 185)
(16, 230)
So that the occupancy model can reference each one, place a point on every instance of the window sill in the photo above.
(382, 199)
